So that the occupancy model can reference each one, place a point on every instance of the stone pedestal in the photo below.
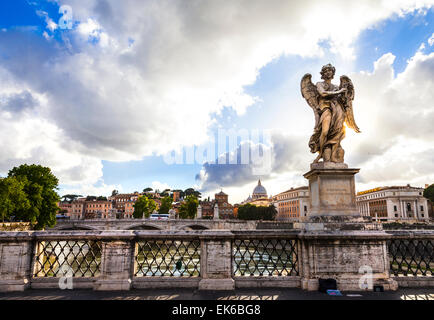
(357, 260)
(15, 263)
(116, 266)
(216, 260)
(336, 242)
(332, 189)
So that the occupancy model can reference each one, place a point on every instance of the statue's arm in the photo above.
(324, 93)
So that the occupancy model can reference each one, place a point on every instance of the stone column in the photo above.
(199, 212)
(117, 265)
(15, 261)
(216, 212)
(353, 258)
(337, 241)
(216, 260)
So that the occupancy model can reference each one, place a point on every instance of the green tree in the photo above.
(188, 209)
(148, 189)
(12, 197)
(101, 198)
(166, 205)
(429, 193)
(40, 186)
(252, 212)
(192, 192)
(165, 193)
(144, 207)
(115, 192)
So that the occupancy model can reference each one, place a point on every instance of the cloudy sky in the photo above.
(105, 92)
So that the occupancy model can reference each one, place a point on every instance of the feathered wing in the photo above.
(347, 101)
(310, 93)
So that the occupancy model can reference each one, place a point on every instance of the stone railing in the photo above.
(212, 259)
(411, 255)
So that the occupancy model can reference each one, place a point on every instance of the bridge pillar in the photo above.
(357, 260)
(216, 260)
(337, 243)
(117, 264)
(15, 264)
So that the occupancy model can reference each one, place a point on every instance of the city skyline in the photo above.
(119, 90)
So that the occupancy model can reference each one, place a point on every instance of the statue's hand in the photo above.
(343, 90)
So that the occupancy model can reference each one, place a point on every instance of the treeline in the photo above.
(146, 205)
(29, 194)
(252, 212)
(169, 193)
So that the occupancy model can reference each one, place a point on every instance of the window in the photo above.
(421, 208)
(395, 208)
(408, 206)
(305, 208)
(396, 215)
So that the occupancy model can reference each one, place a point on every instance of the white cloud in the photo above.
(396, 117)
(119, 101)
(157, 185)
(91, 189)
(431, 40)
(395, 147)
(51, 25)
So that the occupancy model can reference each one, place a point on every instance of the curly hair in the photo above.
(325, 68)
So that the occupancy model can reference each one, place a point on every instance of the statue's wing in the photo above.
(310, 93)
(347, 101)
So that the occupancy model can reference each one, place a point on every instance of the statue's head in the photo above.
(328, 72)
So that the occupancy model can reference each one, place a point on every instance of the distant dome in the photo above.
(259, 191)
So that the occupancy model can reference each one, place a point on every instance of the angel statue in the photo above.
(332, 107)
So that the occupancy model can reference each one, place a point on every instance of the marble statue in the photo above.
(332, 106)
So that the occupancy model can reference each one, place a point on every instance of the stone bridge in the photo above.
(172, 224)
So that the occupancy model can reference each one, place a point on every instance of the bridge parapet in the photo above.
(212, 259)
(148, 224)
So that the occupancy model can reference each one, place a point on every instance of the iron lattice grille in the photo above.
(80, 258)
(411, 257)
(266, 257)
(174, 258)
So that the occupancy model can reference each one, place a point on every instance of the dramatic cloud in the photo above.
(141, 77)
(396, 116)
(286, 154)
(18, 102)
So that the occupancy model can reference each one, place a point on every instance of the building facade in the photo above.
(78, 209)
(98, 209)
(65, 208)
(292, 204)
(123, 204)
(221, 200)
(393, 203)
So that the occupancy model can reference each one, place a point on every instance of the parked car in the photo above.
(156, 216)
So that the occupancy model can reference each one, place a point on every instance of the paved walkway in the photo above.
(239, 294)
